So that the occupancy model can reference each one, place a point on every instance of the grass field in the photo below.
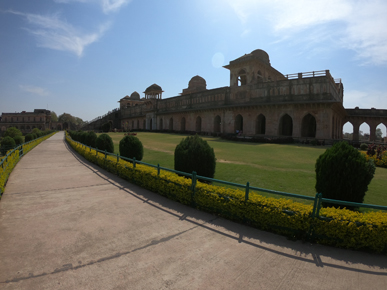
(288, 168)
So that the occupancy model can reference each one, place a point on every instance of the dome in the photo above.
(197, 82)
(261, 55)
(135, 96)
(153, 88)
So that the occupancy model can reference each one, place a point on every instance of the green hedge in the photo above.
(337, 227)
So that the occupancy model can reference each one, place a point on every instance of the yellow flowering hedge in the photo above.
(378, 162)
(10, 161)
(337, 227)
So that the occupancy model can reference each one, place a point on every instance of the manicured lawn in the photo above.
(288, 168)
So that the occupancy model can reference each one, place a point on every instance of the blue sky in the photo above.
(82, 56)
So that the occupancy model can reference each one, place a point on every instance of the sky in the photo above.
(82, 56)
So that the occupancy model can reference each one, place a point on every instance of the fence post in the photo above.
(105, 154)
(134, 162)
(247, 191)
(118, 158)
(193, 188)
(158, 169)
(315, 214)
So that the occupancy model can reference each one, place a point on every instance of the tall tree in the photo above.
(379, 133)
(54, 117)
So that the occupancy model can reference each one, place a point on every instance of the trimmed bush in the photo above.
(130, 147)
(104, 142)
(28, 138)
(90, 139)
(194, 154)
(343, 173)
(363, 146)
(12, 132)
(7, 143)
(34, 136)
(36, 131)
(18, 139)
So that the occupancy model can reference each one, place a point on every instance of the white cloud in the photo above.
(54, 33)
(113, 5)
(357, 25)
(107, 5)
(365, 99)
(35, 90)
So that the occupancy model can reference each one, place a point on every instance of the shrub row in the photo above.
(8, 162)
(337, 227)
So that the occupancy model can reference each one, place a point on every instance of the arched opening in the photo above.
(260, 127)
(65, 126)
(132, 125)
(286, 126)
(138, 124)
(348, 131)
(308, 126)
(59, 127)
(198, 124)
(171, 124)
(242, 78)
(161, 124)
(182, 124)
(22, 127)
(381, 133)
(217, 124)
(150, 124)
(364, 132)
(144, 124)
(238, 124)
(28, 128)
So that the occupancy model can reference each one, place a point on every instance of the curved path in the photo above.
(67, 224)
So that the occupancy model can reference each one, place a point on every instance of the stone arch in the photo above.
(138, 124)
(348, 130)
(28, 127)
(260, 126)
(171, 124)
(259, 77)
(59, 127)
(132, 124)
(285, 126)
(182, 124)
(308, 126)
(384, 132)
(161, 124)
(217, 123)
(144, 124)
(238, 123)
(242, 77)
(150, 124)
(198, 124)
(364, 131)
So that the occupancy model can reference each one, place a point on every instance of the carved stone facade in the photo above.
(26, 121)
(259, 101)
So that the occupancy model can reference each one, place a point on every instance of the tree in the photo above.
(379, 133)
(54, 117)
(66, 118)
(343, 173)
(12, 132)
(130, 147)
(194, 154)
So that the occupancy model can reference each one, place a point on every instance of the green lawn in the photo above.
(288, 168)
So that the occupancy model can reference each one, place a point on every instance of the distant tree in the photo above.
(66, 118)
(54, 117)
(379, 133)
(12, 132)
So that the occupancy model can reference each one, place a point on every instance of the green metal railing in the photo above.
(317, 199)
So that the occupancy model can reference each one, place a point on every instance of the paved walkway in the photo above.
(67, 224)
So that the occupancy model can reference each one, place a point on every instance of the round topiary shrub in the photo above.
(90, 139)
(194, 154)
(28, 138)
(34, 135)
(104, 142)
(18, 139)
(7, 143)
(363, 146)
(130, 147)
(343, 173)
